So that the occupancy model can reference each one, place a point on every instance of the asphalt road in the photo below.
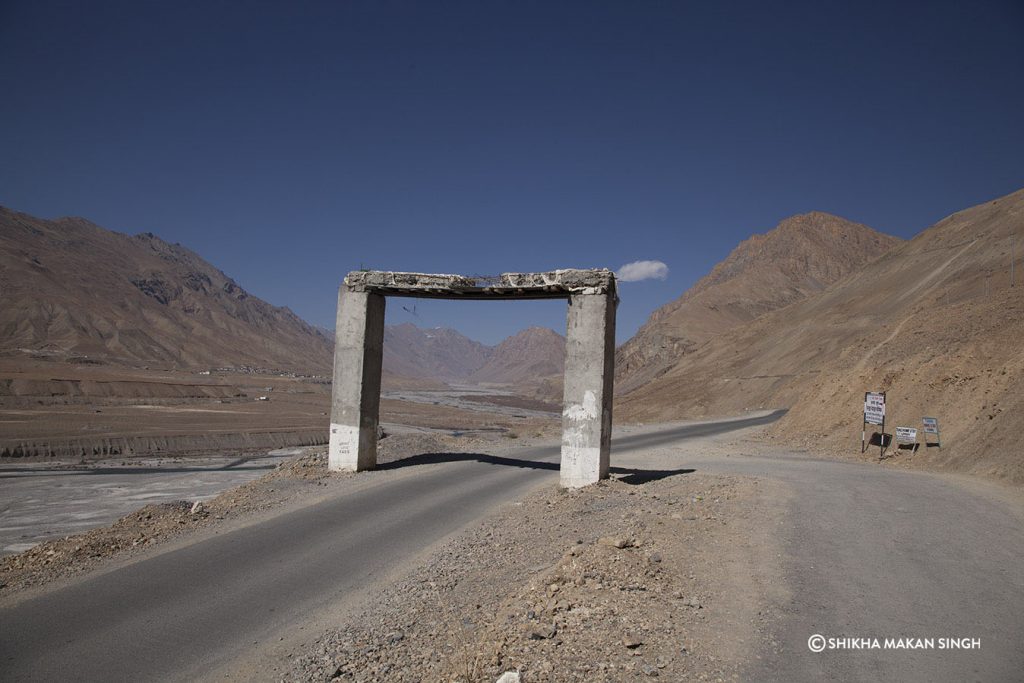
(875, 553)
(871, 552)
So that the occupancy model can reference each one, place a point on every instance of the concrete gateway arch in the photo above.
(589, 358)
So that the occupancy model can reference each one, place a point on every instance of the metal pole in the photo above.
(881, 440)
(1013, 254)
(864, 424)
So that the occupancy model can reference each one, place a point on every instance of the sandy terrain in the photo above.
(54, 410)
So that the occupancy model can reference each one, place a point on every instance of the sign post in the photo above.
(931, 426)
(906, 435)
(874, 414)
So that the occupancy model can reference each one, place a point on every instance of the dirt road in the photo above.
(869, 553)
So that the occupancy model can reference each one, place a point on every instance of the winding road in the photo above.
(870, 552)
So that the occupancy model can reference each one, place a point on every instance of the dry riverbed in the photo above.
(291, 482)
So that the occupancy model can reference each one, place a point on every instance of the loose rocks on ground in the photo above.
(560, 587)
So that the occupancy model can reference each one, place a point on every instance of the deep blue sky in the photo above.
(289, 143)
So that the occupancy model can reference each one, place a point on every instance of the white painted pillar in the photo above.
(355, 393)
(589, 377)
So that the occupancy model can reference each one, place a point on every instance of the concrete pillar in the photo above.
(589, 376)
(355, 395)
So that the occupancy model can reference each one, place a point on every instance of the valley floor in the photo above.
(74, 413)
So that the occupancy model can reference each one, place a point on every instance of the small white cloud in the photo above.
(642, 270)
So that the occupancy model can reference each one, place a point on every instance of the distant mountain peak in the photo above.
(536, 331)
(525, 357)
(72, 285)
(528, 357)
(801, 255)
(936, 321)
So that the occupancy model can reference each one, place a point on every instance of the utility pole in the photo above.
(1013, 254)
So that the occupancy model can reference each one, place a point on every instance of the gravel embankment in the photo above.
(607, 583)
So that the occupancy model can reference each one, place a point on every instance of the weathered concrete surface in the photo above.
(589, 367)
(555, 284)
(355, 402)
(589, 373)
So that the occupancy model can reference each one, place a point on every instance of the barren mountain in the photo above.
(800, 257)
(934, 323)
(73, 289)
(531, 361)
(524, 358)
(438, 353)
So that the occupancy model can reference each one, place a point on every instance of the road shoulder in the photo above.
(543, 587)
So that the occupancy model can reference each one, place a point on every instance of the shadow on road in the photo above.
(434, 458)
(619, 443)
(635, 476)
(629, 475)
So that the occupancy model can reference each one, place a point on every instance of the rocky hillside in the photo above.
(934, 323)
(800, 257)
(438, 353)
(526, 357)
(72, 289)
(531, 361)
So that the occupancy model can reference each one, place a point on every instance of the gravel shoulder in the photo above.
(636, 576)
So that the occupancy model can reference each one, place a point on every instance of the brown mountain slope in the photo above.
(530, 362)
(524, 359)
(934, 323)
(72, 288)
(438, 353)
(798, 258)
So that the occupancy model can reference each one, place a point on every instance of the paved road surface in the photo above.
(871, 552)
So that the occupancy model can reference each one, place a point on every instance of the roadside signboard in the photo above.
(906, 435)
(874, 413)
(931, 426)
(874, 408)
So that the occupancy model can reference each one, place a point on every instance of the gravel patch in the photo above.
(610, 582)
